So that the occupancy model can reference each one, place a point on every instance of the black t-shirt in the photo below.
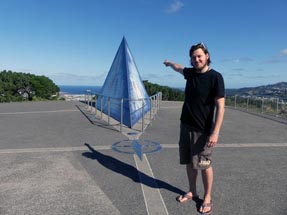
(200, 92)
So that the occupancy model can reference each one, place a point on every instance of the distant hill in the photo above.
(272, 90)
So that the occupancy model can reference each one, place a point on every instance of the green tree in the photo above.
(168, 93)
(16, 86)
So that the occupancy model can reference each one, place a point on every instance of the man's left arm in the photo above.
(220, 105)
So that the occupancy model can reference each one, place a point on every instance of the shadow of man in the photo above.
(128, 171)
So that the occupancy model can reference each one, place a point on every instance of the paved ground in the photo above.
(55, 160)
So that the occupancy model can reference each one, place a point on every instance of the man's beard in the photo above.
(200, 68)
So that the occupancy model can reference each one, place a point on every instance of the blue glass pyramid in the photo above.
(124, 82)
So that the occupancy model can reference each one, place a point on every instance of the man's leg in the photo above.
(192, 176)
(191, 193)
(207, 179)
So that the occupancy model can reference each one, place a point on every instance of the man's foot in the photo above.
(186, 197)
(206, 208)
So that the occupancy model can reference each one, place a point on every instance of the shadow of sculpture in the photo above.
(129, 171)
(92, 118)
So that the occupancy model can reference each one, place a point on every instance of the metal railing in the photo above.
(271, 106)
(91, 100)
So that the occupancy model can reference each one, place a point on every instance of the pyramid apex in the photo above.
(124, 40)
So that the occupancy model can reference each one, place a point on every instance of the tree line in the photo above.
(17, 86)
(168, 93)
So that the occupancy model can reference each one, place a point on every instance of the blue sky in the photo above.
(73, 42)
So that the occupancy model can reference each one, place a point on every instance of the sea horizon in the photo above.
(78, 90)
(81, 89)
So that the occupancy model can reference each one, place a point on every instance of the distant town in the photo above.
(278, 90)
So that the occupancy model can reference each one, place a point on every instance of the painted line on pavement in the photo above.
(152, 196)
(236, 145)
(50, 111)
(168, 146)
(50, 149)
(251, 145)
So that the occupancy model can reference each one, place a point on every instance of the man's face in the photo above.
(199, 59)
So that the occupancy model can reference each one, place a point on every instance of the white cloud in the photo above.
(283, 52)
(74, 79)
(174, 7)
(260, 70)
(234, 75)
(238, 69)
(239, 59)
(275, 60)
(279, 58)
(243, 59)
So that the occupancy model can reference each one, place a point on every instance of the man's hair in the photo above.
(200, 46)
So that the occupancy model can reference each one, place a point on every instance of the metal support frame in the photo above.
(154, 106)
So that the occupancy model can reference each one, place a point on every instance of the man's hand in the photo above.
(213, 138)
(166, 63)
(176, 67)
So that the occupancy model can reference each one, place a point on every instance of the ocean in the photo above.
(74, 90)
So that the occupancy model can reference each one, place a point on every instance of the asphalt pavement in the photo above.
(57, 158)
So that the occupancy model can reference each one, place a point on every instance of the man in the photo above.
(199, 130)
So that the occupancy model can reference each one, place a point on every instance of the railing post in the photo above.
(109, 109)
(91, 102)
(235, 101)
(160, 100)
(88, 98)
(96, 98)
(262, 104)
(142, 115)
(277, 108)
(154, 107)
(150, 115)
(157, 101)
(122, 106)
(101, 107)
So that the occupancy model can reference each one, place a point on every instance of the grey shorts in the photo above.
(193, 148)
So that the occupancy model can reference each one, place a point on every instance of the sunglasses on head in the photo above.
(199, 45)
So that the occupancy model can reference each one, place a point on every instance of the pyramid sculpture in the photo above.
(123, 82)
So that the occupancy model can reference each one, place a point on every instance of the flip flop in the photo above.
(186, 197)
(207, 205)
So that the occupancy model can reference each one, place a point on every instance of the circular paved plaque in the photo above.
(132, 146)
